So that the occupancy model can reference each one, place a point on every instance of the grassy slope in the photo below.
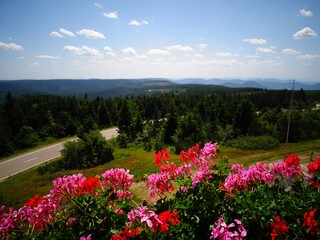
(18, 189)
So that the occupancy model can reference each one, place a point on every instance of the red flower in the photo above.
(88, 186)
(191, 155)
(166, 218)
(126, 233)
(310, 222)
(292, 160)
(34, 201)
(160, 156)
(278, 228)
(314, 167)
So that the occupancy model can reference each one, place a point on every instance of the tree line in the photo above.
(169, 119)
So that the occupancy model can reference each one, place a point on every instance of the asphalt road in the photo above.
(23, 162)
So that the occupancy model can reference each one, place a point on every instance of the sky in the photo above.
(81, 39)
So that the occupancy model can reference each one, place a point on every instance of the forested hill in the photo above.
(98, 87)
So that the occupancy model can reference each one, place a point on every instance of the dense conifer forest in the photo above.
(178, 119)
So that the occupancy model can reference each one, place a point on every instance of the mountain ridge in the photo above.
(137, 86)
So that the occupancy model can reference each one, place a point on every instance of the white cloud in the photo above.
(268, 63)
(141, 57)
(91, 34)
(308, 57)
(98, 5)
(290, 51)
(138, 24)
(252, 56)
(158, 52)
(66, 32)
(179, 48)
(305, 13)
(202, 46)
(261, 50)
(11, 46)
(197, 55)
(82, 51)
(56, 34)
(256, 41)
(22, 57)
(226, 54)
(129, 51)
(109, 51)
(35, 64)
(304, 33)
(231, 62)
(111, 15)
(47, 57)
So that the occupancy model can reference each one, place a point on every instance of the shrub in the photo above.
(253, 142)
(92, 150)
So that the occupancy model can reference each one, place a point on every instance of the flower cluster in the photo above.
(34, 201)
(101, 207)
(244, 179)
(233, 231)
(119, 180)
(159, 183)
(310, 222)
(314, 171)
(278, 228)
(161, 156)
(261, 173)
(143, 215)
(289, 168)
(127, 233)
(144, 219)
(166, 218)
(314, 167)
(89, 186)
(65, 188)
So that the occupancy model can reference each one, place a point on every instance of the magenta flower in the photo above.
(66, 187)
(204, 173)
(209, 151)
(143, 215)
(158, 184)
(86, 238)
(233, 231)
(118, 179)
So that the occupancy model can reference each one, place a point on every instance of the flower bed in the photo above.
(209, 200)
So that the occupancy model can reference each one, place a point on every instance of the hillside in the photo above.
(274, 84)
(100, 87)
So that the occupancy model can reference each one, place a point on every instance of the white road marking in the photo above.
(31, 159)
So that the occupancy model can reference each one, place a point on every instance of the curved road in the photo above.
(23, 162)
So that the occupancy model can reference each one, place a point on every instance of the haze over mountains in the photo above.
(253, 83)
(127, 87)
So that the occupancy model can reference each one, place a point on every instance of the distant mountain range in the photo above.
(78, 88)
(129, 87)
(256, 83)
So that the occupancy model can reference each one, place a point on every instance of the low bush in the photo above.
(91, 150)
(253, 142)
(202, 198)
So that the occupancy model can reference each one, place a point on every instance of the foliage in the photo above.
(253, 142)
(91, 150)
(209, 200)
(167, 119)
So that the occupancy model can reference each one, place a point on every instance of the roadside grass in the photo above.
(18, 189)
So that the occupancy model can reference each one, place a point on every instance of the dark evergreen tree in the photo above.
(12, 115)
(125, 119)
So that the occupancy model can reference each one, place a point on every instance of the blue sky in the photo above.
(45, 39)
